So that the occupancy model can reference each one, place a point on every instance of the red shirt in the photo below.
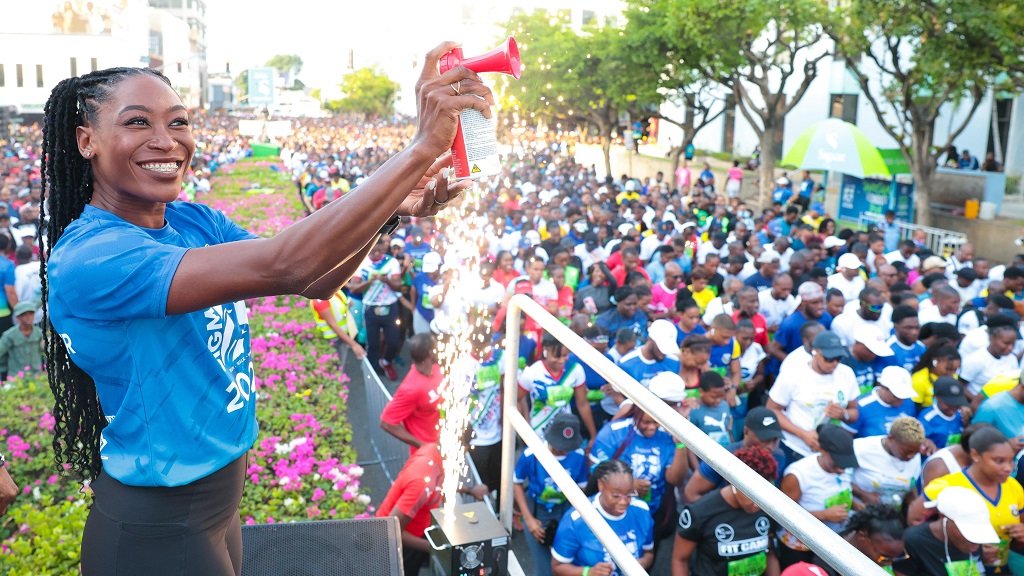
(760, 328)
(417, 490)
(619, 273)
(565, 303)
(504, 278)
(416, 405)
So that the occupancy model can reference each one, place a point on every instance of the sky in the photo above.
(391, 34)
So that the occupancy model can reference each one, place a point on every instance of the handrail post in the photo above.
(510, 398)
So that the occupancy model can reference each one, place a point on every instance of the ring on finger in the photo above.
(442, 204)
(455, 86)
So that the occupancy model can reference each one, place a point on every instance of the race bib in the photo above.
(750, 566)
(844, 498)
(953, 439)
(962, 568)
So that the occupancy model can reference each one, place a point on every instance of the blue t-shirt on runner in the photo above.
(788, 336)
(876, 418)
(902, 356)
(576, 544)
(716, 422)
(7, 275)
(648, 457)
(417, 253)
(540, 488)
(939, 429)
(642, 369)
(612, 321)
(423, 282)
(176, 389)
(681, 335)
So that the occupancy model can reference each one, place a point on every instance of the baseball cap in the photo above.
(782, 181)
(532, 236)
(804, 569)
(626, 228)
(431, 262)
(398, 242)
(829, 345)
(897, 380)
(839, 445)
(849, 261)
(590, 239)
(933, 262)
(818, 207)
(25, 306)
(564, 432)
(666, 226)
(767, 257)
(810, 291)
(763, 423)
(871, 336)
(668, 386)
(950, 391)
(967, 272)
(968, 511)
(833, 242)
(664, 335)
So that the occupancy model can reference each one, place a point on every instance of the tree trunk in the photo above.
(606, 148)
(922, 166)
(768, 160)
(675, 162)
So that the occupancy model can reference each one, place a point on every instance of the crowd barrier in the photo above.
(942, 242)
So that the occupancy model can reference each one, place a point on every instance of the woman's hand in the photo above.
(535, 528)
(441, 97)
(837, 514)
(434, 190)
(602, 569)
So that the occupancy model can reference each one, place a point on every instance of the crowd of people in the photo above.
(841, 364)
(875, 382)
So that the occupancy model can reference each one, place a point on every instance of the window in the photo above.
(156, 42)
(19, 76)
(39, 76)
(74, 66)
(3, 80)
(844, 107)
(94, 65)
(589, 17)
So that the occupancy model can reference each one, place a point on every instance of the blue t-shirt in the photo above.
(648, 457)
(1003, 412)
(715, 422)
(642, 369)
(594, 380)
(806, 188)
(576, 544)
(788, 336)
(902, 356)
(681, 335)
(715, 478)
(939, 429)
(866, 373)
(876, 418)
(612, 321)
(722, 356)
(540, 487)
(7, 275)
(758, 281)
(417, 252)
(423, 282)
(176, 389)
(781, 195)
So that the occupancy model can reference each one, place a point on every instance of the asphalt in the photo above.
(376, 484)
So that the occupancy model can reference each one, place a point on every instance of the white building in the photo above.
(41, 43)
(188, 72)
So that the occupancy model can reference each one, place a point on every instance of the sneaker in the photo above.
(389, 369)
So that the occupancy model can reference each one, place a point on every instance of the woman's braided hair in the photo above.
(67, 175)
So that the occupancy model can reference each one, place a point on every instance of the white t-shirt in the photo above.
(804, 394)
(883, 473)
(851, 289)
(797, 357)
(816, 486)
(895, 256)
(966, 294)
(749, 360)
(651, 243)
(707, 248)
(550, 394)
(543, 291)
(714, 308)
(847, 323)
(28, 286)
(775, 311)
(931, 314)
(981, 366)
(379, 293)
(974, 340)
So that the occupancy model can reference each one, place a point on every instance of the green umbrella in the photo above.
(836, 146)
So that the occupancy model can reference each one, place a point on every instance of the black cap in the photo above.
(967, 272)
(763, 423)
(839, 445)
(564, 433)
(590, 239)
(829, 345)
(950, 391)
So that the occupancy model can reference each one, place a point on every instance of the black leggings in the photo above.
(388, 324)
(191, 530)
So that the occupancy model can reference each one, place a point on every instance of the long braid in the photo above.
(67, 176)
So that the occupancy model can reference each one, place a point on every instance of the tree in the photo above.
(285, 63)
(578, 77)
(912, 58)
(368, 92)
(753, 47)
(699, 100)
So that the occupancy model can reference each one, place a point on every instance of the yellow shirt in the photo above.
(1003, 511)
(924, 387)
(1000, 383)
(703, 297)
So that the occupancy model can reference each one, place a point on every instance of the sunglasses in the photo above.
(674, 276)
(831, 360)
(875, 309)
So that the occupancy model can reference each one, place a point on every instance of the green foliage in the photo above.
(285, 63)
(368, 91)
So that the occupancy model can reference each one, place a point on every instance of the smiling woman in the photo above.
(147, 334)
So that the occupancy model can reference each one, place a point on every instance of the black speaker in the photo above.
(366, 547)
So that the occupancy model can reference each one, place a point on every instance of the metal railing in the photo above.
(391, 452)
(940, 241)
(822, 540)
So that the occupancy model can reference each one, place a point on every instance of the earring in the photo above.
(88, 154)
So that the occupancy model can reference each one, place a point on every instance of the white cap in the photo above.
(532, 236)
(968, 511)
(768, 256)
(625, 228)
(782, 181)
(688, 225)
(872, 337)
(630, 185)
(668, 386)
(897, 380)
(850, 261)
(431, 262)
(833, 242)
(664, 335)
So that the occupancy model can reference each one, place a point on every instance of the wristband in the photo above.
(3, 461)
(680, 445)
(391, 225)
(586, 570)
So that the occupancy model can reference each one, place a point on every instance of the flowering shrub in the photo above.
(302, 466)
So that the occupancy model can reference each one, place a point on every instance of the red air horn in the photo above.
(475, 150)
